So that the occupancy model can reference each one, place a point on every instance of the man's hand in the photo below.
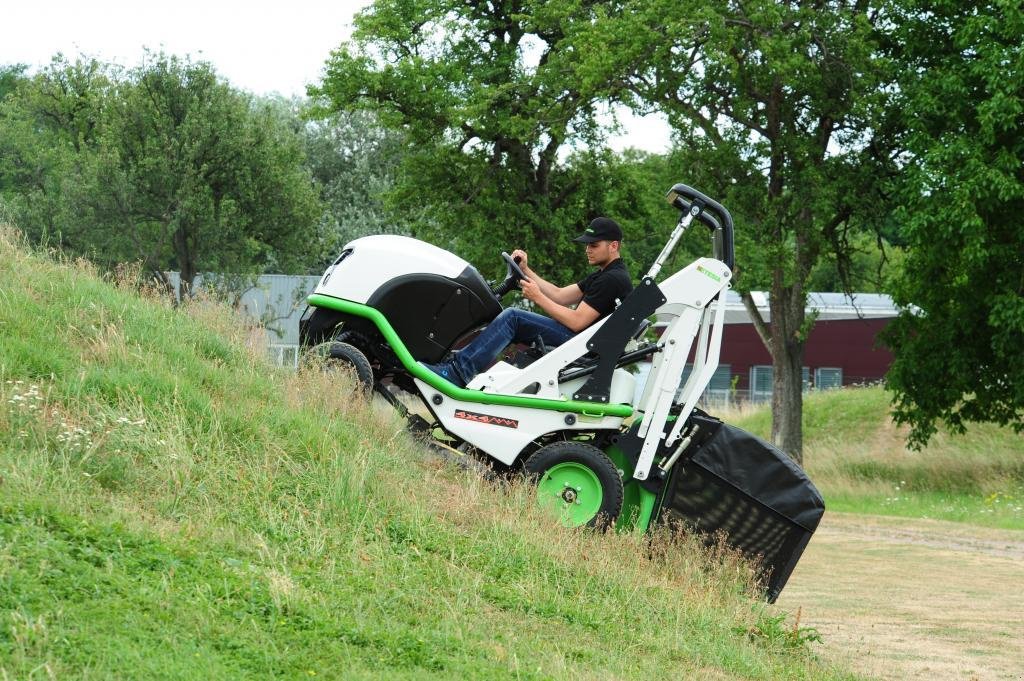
(531, 291)
(521, 255)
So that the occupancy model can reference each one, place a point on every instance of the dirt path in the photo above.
(914, 599)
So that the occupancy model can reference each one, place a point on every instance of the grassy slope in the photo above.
(172, 507)
(857, 458)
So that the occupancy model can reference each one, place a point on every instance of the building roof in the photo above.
(827, 305)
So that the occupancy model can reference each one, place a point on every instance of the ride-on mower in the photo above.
(568, 415)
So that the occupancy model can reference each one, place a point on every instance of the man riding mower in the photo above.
(602, 452)
(595, 297)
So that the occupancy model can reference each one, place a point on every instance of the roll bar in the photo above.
(714, 216)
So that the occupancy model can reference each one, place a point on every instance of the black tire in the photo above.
(584, 456)
(352, 358)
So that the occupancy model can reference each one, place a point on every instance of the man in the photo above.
(594, 297)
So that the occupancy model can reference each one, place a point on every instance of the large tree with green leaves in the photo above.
(11, 75)
(48, 136)
(959, 344)
(355, 162)
(488, 97)
(164, 163)
(777, 107)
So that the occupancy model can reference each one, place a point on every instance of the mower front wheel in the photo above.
(579, 481)
(343, 355)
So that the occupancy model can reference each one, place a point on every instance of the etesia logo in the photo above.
(484, 418)
(708, 273)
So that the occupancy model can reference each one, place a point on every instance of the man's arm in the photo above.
(564, 295)
(575, 320)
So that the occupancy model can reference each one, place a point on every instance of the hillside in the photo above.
(858, 459)
(173, 507)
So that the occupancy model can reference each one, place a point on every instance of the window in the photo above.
(761, 381)
(826, 378)
(718, 387)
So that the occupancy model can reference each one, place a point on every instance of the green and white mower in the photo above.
(569, 415)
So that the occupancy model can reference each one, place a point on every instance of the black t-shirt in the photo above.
(602, 288)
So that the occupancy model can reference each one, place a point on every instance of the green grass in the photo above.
(858, 459)
(173, 507)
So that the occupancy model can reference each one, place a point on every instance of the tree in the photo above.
(777, 111)
(11, 76)
(488, 99)
(958, 343)
(48, 132)
(199, 175)
(355, 161)
(164, 163)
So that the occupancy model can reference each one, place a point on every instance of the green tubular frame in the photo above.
(595, 409)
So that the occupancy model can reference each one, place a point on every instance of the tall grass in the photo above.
(172, 506)
(858, 458)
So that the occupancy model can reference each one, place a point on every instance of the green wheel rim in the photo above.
(573, 490)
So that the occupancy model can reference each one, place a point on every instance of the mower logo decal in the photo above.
(484, 418)
(708, 273)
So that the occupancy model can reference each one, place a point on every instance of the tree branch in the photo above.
(763, 332)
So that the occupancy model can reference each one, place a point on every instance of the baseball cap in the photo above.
(600, 229)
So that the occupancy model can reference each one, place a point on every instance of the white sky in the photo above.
(259, 46)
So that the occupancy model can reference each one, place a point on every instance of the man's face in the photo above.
(600, 253)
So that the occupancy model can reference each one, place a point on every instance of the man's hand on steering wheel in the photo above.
(519, 255)
(531, 291)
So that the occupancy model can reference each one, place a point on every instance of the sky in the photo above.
(259, 46)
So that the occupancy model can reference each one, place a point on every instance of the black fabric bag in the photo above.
(734, 483)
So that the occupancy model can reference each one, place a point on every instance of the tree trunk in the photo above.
(787, 349)
(787, 400)
(186, 262)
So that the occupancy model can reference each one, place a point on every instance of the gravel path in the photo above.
(898, 598)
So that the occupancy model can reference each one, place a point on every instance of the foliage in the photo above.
(869, 265)
(11, 75)
(502, 132)
(164, 163)
(958, 342)
(354, 161)
(49, 134)
(773, 631)
(776, 110)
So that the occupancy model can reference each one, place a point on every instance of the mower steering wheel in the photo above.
(514, 274)
(514, 270)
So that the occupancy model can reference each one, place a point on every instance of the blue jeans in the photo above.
(511, 326)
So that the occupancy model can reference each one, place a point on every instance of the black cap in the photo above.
(600, 229)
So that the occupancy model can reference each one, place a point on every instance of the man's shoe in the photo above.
(446, 371)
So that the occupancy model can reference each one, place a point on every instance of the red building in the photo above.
(843, 347)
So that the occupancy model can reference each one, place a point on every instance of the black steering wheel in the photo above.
(514, 274)
(513, 267)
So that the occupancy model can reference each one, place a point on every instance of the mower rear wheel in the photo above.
(579, 481)
(343, 355)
